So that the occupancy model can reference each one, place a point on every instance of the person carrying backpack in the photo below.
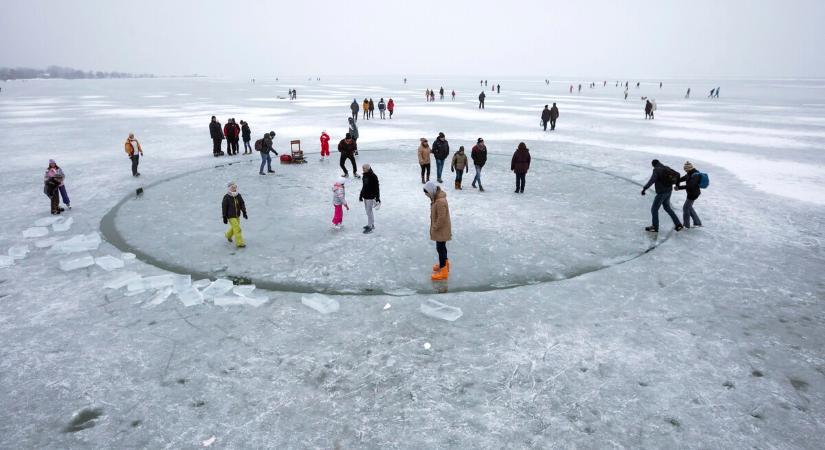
(663, 178)
(693, 181)
(266, 147)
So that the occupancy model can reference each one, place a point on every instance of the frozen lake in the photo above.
(578, 329)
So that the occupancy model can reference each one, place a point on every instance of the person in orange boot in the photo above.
(440, 228)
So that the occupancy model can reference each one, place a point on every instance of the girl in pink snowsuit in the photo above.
(339, 201)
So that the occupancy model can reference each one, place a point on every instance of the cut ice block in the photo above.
(441, 311)
(59, 227)
(256, 301)
(6, 261)
(200, 284)
(77, 243)
(160, 297)
(76, 263)
(19, 251)
(122, 280)
(35, 232)
(321, 303)
(243, 290)
(217, 288)
(149, 283)
(46, 221)
(45, 243)
(108, 263)
(229, 300)
(127, 257)
(181, 282)
(190, 297)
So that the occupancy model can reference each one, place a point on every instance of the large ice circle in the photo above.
(569, 221)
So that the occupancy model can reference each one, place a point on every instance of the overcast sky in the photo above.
(596, 38)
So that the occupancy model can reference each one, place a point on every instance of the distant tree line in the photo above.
(22, 73)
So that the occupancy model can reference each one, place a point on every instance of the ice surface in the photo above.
(122, 279)
(243, 290)
(108, 263)
(77, 243)
(229, 300)
(321, 303)
(46, 221)
(127, 257)
(45, 243)
(217, 288)
(160, 297)
(438, 310)
(76, 262)
(35, 232)
(190, 296)
(181, 282)
(63, 225)
(149, 283)
(19, 251)
(6, 261)
(200, 284)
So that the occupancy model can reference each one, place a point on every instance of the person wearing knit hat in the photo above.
(440, 228)
(692, 180)
(51, 186)
(324, 145)
(233, 207)
(370, 195)
(339, 202)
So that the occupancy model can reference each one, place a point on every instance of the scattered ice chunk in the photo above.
(127, 257)
(400, 292)
(321, 303)
(217, 288)
(35, 232)
(243, 290)
(209, 441)
(427, 346)
(441, 311)
(6, 261)
(257, 301)
(76, 263)
(133, 293)
(108, 263)
(77, 243)
(45, 243)
(19, 251)
(387, 306)
(64, 225)
(190, 296)
(46, 221)
(149, 283)
(122, 280)
(230, 300)
(181, 282)
(200, 284)
(160, 297)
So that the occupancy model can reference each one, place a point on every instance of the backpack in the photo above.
(704, 180)
(672, 175)
(259, 145)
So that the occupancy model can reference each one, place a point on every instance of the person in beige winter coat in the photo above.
(424, 153)
(440, 228)
(459, 166)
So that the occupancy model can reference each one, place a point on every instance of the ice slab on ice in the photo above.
(77, 243)
(127, 257)
(243, 290)
(108, 263)
(190, 296)
(76, 263)
(149, 283)
(200, 284)
(122, 280)
(46, 221)
(229, 300)
(160, 297)
(45, 243)
(321, 303)
(19, 251)
(400, 292)
(63, 225)
(181, 282)
(35, 232)
(6, 261)
(441, 311)
(217, 288)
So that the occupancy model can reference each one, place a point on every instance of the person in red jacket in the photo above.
(390, 107)
(324, 145)
(232, 131)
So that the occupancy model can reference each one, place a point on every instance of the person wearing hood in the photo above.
(366, 106)
(520, 164)
(265, 149)
(135, 151)
(481, 98)
(459, 166)
(691, 179)
(354, 108)
(648, 110)
(353, 131)
(371, 109)
(348, 149)
(52, 180)
(545, 117)
(370, 195)
(390, 107)
(339, 202)
(440, 228)
(381, 107)
(233, 207)
(663, 178)
(441, 150)
(324, 145)
(424, 159)
(554, 115)
(479, 156)
(217, 136)
(246, 133)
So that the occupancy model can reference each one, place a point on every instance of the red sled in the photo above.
(286, 159)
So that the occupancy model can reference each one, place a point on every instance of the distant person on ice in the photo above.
(440, 228)
(554, 115)
(371, 109)
(663, 179)
(370, 195)
(217, 136)
(648, 110)
(232, 132)
(479, 156)
(441, 150)
(687, 94)
(353, 131)
(481, 100)
(339, 202)
(520, 164)
(354, 108)
(692, 178)
(390, 107)
(267, 147)
(324, 145)
(246, 133)
(424, 160)
(135, 151)
(459, 166)
(52, 180)
(366, 106)
(441, 93)
(381, 107)
(233, 207)
(545, 116)
(453, 94)
(348, 148)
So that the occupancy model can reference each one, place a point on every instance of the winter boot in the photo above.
(436, 267)
(456, 185)
(442, 274)
(652, 229)
(480, 187)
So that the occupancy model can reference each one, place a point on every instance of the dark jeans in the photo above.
(439, 167)
(662, 200)
(343, 164)
(234, 145)
(247, 147)
(425, 168)
(390, 114)
(135, 159)
(481, 104)
(441, 248)
(687, 213)
(65, 195)
(552, 125)
(216, 146)
(459, 174)
(544, 123)
(520, 179)
(228, 147)
(477, 177)
(265, 160)
(355, 115)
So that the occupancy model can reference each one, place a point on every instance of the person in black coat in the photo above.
(348, 148)
(370, 195)
(216, 133)
(691, 179)
(441, 150)
(554, 114)
(520, 164)
(246, 134)
(545, 117)
(481, 98)
(663, 183)
(232, 208)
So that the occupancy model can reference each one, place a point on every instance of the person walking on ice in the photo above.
(693, 186)
(348, 149)
(481, 100)
(381, 107)
(233, 207)
(440, 229)
(545, 116)
(554, 115)
(354, 108)
(370, 195)
(390, 107)
(520, 164)
(134, 151)
(479, 156)
(52, 180)
(663, 178)
(353, 131)
(246, 133)
(441, 150)
(324, 145)
(424, 160)
(459, 166)
(339, 202)
(267, 147)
